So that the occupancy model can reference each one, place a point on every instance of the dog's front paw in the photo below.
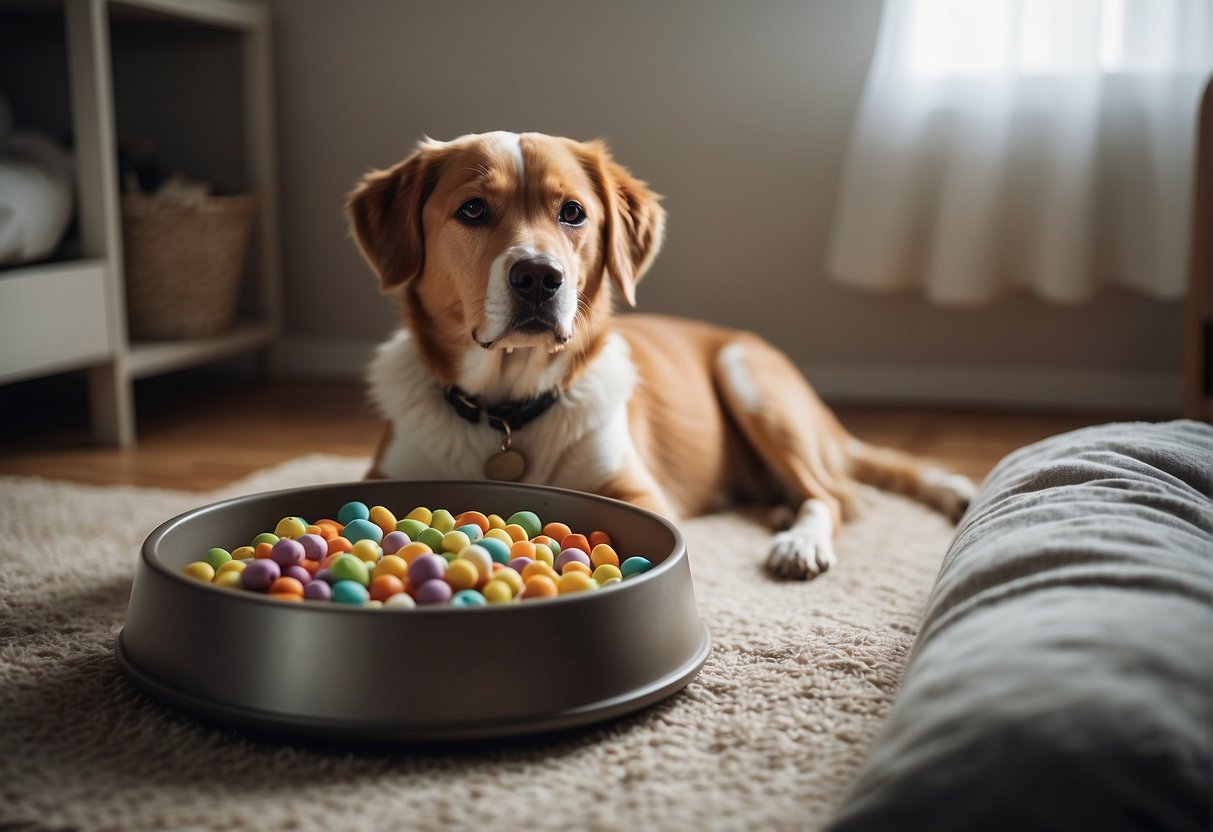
(802, 552)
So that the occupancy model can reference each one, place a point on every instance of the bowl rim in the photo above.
(152, 561)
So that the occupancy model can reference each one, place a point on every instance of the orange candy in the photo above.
(538, 567)
(410, 551)
(575, 566)
(286, 585)
(575, 541)
(516, 532)
(474, 518)
(312, 566)
(597, 538)
(263, 550)
(339, 544)
(287, 596)
(385, 586)
(557, 531)
(522, 549)
(539, 586)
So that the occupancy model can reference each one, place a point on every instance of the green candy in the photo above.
(217, 557)
(265, 537)
(529, 521)
(413, 528)
(635, 566)
(442, 520)
(431, 538)
(349, 568)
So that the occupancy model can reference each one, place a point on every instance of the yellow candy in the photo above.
(383, 518)
(235, 566)
(243, 552)
(391, 565)
(462, 574)
(200, 571)
(455, 542)
(496, 522)
(230, 579)
(511, 577)
(575, 582)
(367, 550)
(543, 554)
(500, 534)
(575, 566)
(603, 553)
(421, 514)
(607, 571)
(610, 581)
(497, 591)
(442, 520)
(291, 527)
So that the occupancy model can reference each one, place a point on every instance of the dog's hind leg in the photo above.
(891, 470)
(799, 441)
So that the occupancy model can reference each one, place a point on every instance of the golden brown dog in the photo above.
(505, 250)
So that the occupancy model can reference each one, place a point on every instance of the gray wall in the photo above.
(738, 113)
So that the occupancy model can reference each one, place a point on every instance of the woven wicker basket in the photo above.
(184, 262)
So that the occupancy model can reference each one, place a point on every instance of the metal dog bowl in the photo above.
(321, 669)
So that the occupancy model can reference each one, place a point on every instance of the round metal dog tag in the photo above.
(506, 465)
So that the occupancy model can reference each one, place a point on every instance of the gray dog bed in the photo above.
(1062, 676)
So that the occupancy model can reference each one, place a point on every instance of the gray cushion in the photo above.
(1063, 675)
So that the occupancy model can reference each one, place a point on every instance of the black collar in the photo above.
(511, 415)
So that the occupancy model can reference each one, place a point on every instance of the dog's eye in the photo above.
(572, 214)
(472, 212)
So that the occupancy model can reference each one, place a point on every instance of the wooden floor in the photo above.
(199, 430)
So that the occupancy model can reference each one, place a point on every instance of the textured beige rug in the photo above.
(767, 737)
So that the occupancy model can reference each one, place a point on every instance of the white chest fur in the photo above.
(580, 442)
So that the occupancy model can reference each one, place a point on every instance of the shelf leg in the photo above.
(111, 406)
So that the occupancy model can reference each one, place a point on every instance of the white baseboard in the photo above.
(1019, 387)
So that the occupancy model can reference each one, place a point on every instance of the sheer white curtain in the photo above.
(1045, 145)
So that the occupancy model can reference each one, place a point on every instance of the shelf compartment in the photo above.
(48, 318)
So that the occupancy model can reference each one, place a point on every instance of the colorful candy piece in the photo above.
(350, 592)
(200, 571)
(259, 574)
(467, 598)
(528, 520)
(635, 566)
(217, 557)
(434, 591)
(570, 555)
(356, 530)
(349, 568)
(353, 510)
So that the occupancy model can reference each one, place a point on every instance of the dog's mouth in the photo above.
(527, 330)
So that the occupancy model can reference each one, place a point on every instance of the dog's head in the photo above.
(503, 240)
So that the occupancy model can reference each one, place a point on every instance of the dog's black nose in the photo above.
(536, 279)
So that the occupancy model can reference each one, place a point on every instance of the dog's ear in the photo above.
(385, 214)
(634, 225)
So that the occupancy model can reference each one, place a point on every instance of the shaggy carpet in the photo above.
(768, 736)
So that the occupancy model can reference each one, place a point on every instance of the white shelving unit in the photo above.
(70, 314)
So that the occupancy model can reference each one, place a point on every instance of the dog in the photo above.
(505, 250)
